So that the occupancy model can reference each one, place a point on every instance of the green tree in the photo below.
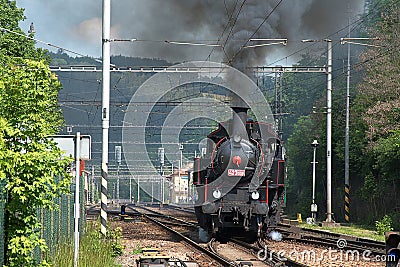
(379, 91)
(376, 116)
(29, 161)
(29, 105)
(301, 91)
(13, 41)
(300, 154)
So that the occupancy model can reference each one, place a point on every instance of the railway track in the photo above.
(187, 209)
(328, 239)
(234, 252)
(187, 240)
(162, 214)
(245, 254)
(314, 238)
(238, 253)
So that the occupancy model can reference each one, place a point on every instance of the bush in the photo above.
(384, 225)
(114, 236)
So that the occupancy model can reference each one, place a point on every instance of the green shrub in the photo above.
(114, 236)
(384, 225)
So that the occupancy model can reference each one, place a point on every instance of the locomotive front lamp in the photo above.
(255, 195)
(237, 138)
(217, 193)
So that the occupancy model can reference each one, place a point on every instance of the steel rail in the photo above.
(320, 237)
(211, 247)
(180, 208)
(273, 258)
(187, 240)
(166, 216)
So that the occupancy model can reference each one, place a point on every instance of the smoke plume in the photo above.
(231, 22)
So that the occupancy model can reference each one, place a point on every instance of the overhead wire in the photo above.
(255, 32)
(373, 9)
(355, 24)
(355, 66)
(84, 55)
(234, 23)
(358, 23)
(225, 28)
(94, 99)
(49, 44)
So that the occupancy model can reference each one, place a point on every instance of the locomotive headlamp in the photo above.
(237, 138)
(255, 195)
(217, 193)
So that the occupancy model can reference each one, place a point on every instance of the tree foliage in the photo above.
(377, 114)
(301, 91)
(380, 89)
(300, 154)
(29, 161)
(374, 127)
(15, 44)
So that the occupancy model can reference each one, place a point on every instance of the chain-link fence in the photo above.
(57, 224)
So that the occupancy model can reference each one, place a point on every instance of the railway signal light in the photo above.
(392, 240)
(123, 209)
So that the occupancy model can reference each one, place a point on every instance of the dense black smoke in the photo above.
(231, 21)
(204, 21)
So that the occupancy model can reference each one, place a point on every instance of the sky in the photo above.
(76, 25)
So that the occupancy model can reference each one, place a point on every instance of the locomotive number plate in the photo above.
(234, 172)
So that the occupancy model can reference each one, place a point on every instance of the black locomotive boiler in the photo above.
(239, 180)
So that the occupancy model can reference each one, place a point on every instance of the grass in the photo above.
(94, 251)
(137, 250)
(353, 230)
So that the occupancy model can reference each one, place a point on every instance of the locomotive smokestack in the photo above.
(238, 127)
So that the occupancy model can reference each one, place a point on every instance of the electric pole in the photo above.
(105, 110)
(349, 41)
(346, 140)
(328, 129)
(329, 135)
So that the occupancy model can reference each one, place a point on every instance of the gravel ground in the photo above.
(139, 234)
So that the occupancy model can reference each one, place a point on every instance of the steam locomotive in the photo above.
(240, 180)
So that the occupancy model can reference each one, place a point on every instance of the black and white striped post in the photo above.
(347, 203)
(106, 50)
